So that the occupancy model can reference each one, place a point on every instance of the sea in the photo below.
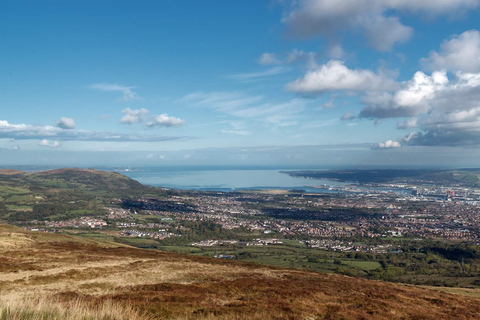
(221, 179)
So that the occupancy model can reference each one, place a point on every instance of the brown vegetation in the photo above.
(69, 278)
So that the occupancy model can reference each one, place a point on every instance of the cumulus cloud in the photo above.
(66, 123)
(433, 138)
(164, 120)
(133, 116)
(389, 144)
(446, 111)
(140, 115)
(50, 144)
(412, 99)
(460, 53)
(17, 131)
(335, 76)
(443, 107)
(128, 93)
(376, 19)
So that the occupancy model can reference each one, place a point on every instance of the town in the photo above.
(318, 216)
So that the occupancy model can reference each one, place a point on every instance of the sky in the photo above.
(312, 83)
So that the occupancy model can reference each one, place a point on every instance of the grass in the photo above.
(8, 191)
(21, 308)
(52, 276)
(14, 207)
(474, 293)
(181, 249)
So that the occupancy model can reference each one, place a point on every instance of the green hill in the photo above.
(39, 195)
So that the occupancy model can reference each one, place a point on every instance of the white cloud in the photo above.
(133, 116)
(66, 123)
(140, 115)
(24, 130)
(335, 76)
(376, 19)
(164, 120)
(446, 111)
(50, 144)
(389, 144)
(128, 93)
(411, 100)
(460, 53)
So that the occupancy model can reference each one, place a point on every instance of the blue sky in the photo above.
(283, 83)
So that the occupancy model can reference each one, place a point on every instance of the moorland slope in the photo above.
(63, 277)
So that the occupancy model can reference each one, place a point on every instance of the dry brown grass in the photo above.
(52, 272)
(21, 308)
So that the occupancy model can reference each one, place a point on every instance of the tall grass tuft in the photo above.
(18, 308)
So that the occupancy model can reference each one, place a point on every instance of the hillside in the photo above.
(48, 274)
(86, 181)
(62, 193)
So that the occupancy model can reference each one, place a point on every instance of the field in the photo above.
(65, 277)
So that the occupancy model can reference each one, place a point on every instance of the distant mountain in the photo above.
(52, 276)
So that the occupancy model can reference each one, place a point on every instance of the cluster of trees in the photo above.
(193, 231)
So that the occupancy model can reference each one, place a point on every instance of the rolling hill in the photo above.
(63, 277)
(61, 193)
